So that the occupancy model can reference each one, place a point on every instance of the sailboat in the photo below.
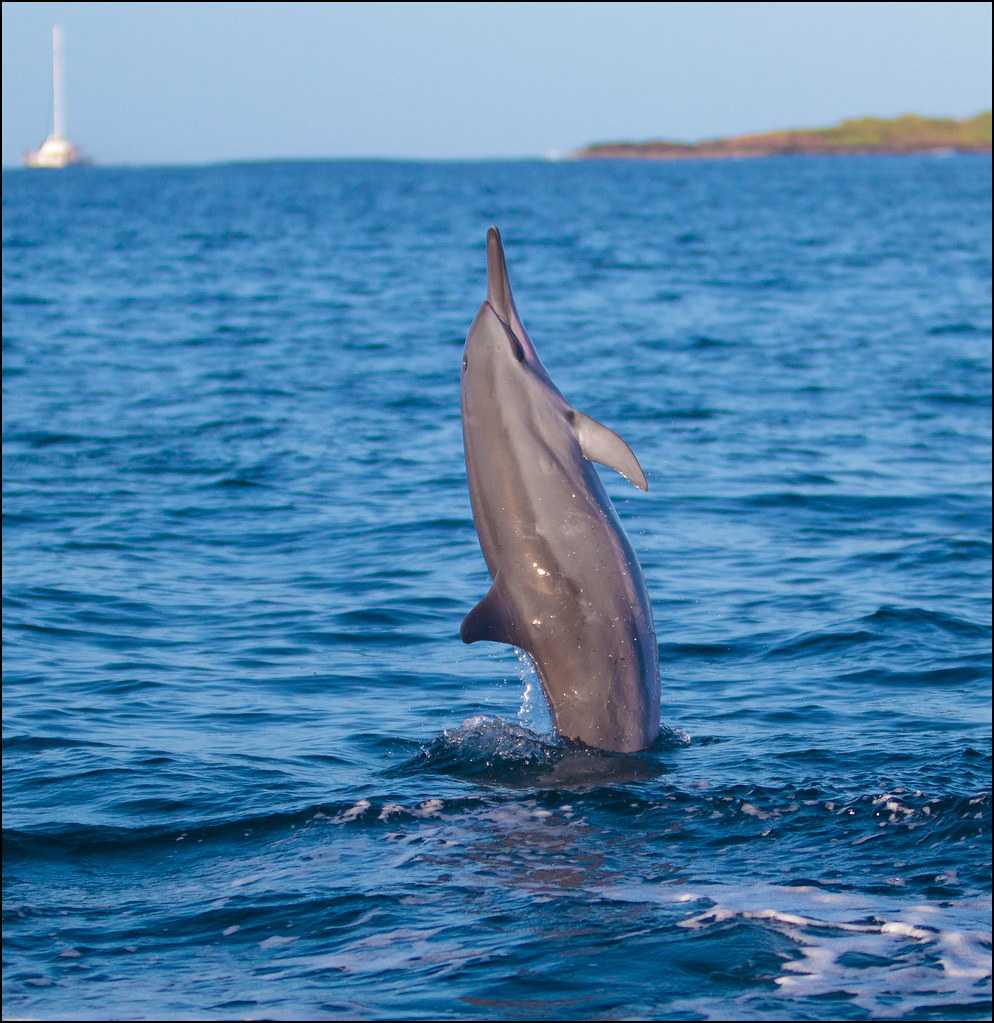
(56, 150)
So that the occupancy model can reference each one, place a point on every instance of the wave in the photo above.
(498, 751)
(873, 954)
(650, 792)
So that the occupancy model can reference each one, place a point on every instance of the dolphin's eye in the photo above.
(465, 364)
(519, 348)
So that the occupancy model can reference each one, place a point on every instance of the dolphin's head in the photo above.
(499, 355)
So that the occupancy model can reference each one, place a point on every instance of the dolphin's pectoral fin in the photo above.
(489, 620)
(599, 444)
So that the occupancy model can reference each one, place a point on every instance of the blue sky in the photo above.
(178, 83)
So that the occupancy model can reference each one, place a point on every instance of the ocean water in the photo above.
(249, 769)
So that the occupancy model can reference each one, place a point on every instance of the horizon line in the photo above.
(553, 156)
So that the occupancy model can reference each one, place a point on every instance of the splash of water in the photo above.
(534, 710)
(534, 713)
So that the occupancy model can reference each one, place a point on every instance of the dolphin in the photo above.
(567, 587)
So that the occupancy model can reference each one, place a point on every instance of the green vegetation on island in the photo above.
(909, 133)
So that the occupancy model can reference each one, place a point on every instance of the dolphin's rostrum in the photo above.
(567, 587)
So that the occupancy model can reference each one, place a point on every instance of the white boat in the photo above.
(56, 150)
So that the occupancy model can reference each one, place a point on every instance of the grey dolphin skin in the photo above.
(567, 587)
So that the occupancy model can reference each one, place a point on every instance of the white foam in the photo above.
(353, 812)
(429, 808)
(912, 957)
(389, 810)
(905, 930)
(753, 811)
(963, 956)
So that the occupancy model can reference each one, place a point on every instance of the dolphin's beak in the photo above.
(500, 299)
(498, 285)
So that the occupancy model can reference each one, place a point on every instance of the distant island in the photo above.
(909, 133)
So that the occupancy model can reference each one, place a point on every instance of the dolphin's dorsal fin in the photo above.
(490, 620)
(599, 444)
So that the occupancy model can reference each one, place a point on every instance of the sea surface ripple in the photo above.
(249, 769)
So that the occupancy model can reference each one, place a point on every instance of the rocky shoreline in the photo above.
(865, 136)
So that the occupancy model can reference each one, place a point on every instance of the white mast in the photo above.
(56, 150)
(58, 100)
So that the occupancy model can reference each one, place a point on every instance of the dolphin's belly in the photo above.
(578, 598)
(593, 643)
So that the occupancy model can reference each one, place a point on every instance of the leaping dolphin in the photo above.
(567, 587)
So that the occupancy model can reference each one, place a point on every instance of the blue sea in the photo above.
(250, 771)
